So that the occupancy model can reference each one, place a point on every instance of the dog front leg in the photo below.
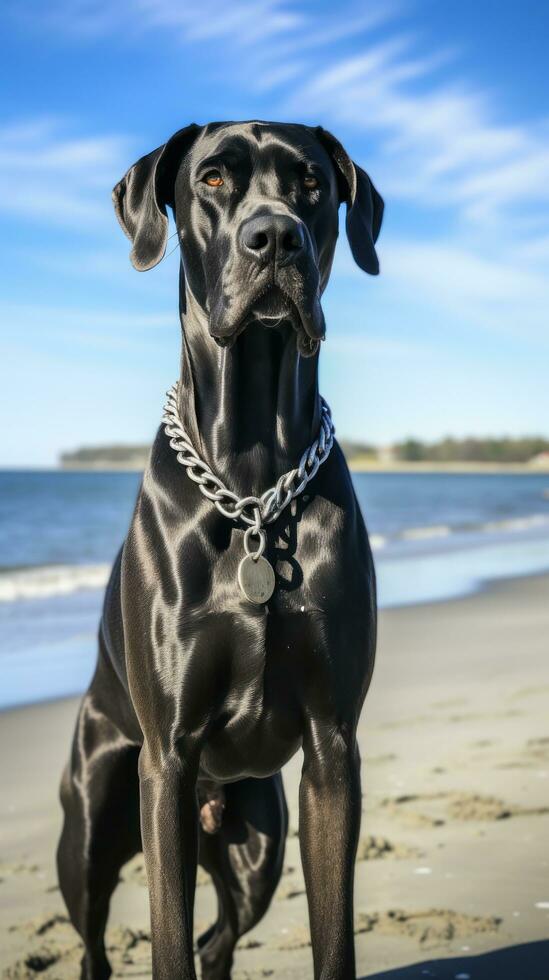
(169, 825)
(329, 826)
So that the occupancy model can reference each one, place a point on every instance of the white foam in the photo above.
(50, 580)
(517, 523)
(505, 525)
(43, 581)
(377, 541)
(432, 531)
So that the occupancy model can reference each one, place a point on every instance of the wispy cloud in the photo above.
(437, 143)
(243, 22)
(505, 293)
(491, 292)
(46, 174)
(440, 144)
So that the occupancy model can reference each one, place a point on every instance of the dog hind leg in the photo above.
(100, 797)
(244, 859)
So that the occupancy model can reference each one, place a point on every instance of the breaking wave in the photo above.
(43, 581)
(432, 532)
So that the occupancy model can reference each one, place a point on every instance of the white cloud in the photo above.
(505, 293)
(352, 26)
(241, 22)
(501, 294)
(48, 175)
(433, 141)
(438, 144)
(441, 146)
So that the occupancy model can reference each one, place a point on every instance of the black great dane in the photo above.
(200, 695)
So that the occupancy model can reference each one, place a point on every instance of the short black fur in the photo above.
(199, 696)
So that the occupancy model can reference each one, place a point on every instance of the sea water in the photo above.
(434, 536)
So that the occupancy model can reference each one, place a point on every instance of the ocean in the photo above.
(435, 536)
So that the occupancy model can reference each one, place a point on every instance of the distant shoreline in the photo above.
(356, 466)
(523, 469)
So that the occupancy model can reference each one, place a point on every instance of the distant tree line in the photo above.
(449, 450)
(474, 450)
(351, 449)
(118, 455)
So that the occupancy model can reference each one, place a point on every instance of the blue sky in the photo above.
(445, 104)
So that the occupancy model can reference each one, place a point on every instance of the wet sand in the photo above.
(453, 873)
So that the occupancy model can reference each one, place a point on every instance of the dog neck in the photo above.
(250, 409)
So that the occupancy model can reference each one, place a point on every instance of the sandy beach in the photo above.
(453, 873)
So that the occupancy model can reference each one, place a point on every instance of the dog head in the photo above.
(256, 208)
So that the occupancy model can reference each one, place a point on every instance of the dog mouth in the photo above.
(274, 307)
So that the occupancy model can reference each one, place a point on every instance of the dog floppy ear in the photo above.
(364, 204)
(141, 197)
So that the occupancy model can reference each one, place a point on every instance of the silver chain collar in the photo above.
(255, 512)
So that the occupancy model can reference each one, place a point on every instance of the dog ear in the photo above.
(141, 197)
(364, 204)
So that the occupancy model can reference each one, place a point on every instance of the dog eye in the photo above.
(213, 179)
(310, 182)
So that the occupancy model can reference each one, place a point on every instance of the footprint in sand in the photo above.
(290, 889)
(399, 807)
(40, 926)
(438, 808)
(18, 868)
(534, 753)
(373, 848)
(34, 963)
(469, 806)
(430, 927)
(57, 954)
(296, 938)
(128, 945)
(370, 848)
(248, 943)
(58, 944)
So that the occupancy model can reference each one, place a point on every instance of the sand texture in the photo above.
(452, 876)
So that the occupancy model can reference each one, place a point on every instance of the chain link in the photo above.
(252, 511)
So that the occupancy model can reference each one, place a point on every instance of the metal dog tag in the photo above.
(256, 579)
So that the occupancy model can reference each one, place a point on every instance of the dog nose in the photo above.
(272, 235)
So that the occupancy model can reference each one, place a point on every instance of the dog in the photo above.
(200, 696)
